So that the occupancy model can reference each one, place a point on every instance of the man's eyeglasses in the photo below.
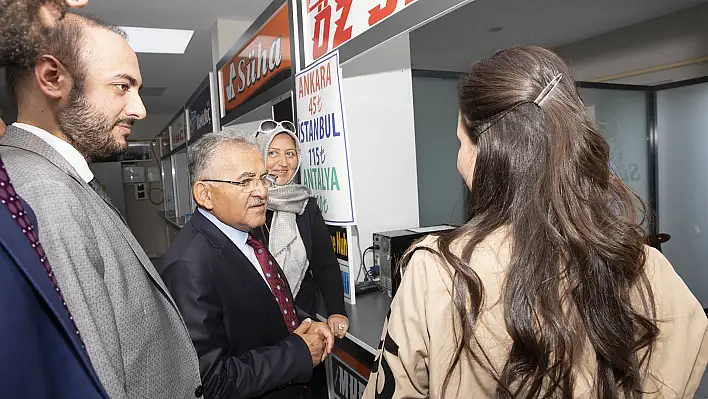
(269, 126)
(250, 184)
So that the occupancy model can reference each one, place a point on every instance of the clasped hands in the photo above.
(318, 337)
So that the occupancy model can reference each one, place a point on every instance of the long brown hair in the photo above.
(577, 250)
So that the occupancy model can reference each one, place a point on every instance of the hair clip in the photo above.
(548, 90)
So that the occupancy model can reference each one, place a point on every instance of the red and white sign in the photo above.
(327, 24)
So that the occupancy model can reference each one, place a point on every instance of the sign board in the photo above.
(260, 61)
(346, 383)
(340, 245)
(327, 24)
(178, 132)
(321, 129)
(199, 112)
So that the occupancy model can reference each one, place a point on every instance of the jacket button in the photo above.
(199, 391)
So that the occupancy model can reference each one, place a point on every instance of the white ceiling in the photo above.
(452, 42)
(178, 74)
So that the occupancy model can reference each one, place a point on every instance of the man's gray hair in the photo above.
(201, 153)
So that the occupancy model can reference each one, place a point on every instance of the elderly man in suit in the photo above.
(41, 353)
(237, 305)
(77, 103)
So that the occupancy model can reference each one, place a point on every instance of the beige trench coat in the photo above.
(418, 339)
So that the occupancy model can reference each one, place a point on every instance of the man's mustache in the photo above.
(256, 202)
(126, 121)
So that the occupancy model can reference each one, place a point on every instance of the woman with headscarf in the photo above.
(295, 230)
(549, 289)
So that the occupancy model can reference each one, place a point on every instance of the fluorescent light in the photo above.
(162, 41)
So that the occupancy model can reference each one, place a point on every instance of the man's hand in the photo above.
(51, 10)
(326, 335)
(339, 324)
(314, 340)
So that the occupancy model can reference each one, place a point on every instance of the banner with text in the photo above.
(263, 60)
(327, 24)
(322, 133)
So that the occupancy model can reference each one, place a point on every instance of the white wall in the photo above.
(378, 103)
(441, 190)
(683, 189)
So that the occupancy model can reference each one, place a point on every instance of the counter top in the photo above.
(366, 319)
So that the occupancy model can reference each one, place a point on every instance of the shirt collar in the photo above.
(66, 150)
(236, 236)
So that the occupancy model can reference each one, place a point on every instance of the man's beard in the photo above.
(87, 129)
(22, 34)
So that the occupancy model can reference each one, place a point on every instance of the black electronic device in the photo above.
(390, 247)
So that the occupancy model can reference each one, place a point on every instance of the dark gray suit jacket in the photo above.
(134, 334)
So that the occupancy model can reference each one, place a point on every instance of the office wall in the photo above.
(141, 215)
(683, 188)
(378, 104)
(184, 190)
(148, 227)
(167, 173)
(441, 190)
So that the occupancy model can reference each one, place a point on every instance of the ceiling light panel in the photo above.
(159, 41)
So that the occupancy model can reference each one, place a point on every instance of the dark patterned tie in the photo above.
(98, 188)
(9, 198)
(275, 281)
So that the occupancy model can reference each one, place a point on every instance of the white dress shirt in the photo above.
(239, 239)
(66, 150)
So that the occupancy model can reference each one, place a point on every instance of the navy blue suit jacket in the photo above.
(40, 354)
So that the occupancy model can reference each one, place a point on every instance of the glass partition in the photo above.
(623, 118)
(682, 186)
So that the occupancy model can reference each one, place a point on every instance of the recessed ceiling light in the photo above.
(496, 29)
(162, 41)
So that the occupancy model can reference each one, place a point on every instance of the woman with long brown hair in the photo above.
(548, 291)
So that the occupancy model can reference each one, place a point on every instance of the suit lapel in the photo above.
(239, 263)
(24, 140)
(27, 262)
